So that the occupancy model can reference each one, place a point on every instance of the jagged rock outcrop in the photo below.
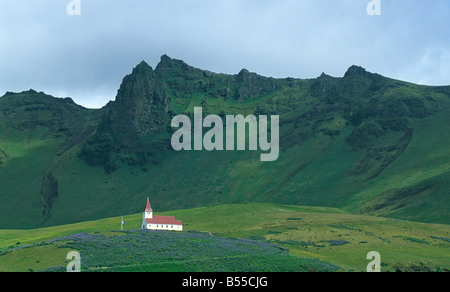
(141, 108)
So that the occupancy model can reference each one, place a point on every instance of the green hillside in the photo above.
(243, 237)
(363, 143)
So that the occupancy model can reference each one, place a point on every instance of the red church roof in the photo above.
(163, 220)
(170, 220)
(148, 208)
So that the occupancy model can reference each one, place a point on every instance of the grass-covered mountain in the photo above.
(363, 142)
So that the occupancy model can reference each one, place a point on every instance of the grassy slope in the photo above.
(241, 177)
(306, 231)
(424, 164)
(35, 131)
(311, 170)
(21, 175)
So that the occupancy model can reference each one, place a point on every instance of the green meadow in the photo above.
(313, 238)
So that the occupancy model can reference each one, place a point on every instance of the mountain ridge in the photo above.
(362, 142)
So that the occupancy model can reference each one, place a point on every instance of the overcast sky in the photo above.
(85, 57)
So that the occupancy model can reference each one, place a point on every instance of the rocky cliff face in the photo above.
(141, 108)
(185, 79)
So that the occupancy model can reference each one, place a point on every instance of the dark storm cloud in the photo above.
(86, 57)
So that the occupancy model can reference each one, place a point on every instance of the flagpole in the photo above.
(121, 224)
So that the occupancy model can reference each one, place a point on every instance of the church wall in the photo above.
(165, 227)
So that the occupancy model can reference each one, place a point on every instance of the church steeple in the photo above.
(148, 212)
(148, 208)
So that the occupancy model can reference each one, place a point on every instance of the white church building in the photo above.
(154, 222)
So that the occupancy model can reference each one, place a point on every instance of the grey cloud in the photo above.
(85, 57)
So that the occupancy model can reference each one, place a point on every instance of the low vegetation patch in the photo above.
(193, 251)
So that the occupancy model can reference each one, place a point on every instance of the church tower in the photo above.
(148, 212)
